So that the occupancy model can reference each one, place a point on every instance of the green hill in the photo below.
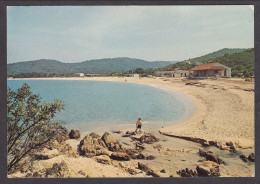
(44, 66)
(241, 61)
(187, 64)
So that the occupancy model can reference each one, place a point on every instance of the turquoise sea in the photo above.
(95, 104)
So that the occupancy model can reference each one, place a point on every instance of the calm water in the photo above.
(92, 104)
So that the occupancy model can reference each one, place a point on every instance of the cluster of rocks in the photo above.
(251, 157)
(209, 155)
(95, 145)
(205, 169)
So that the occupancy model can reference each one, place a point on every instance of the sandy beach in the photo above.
(225, 113)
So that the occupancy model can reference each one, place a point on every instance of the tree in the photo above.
(29, 124)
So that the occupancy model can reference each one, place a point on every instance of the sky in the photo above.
(154, 33)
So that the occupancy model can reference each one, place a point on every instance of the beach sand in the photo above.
(225, 112)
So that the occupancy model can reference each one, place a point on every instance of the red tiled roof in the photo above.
(209, 66)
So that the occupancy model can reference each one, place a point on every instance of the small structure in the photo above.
(93, 75)
(211, 70)
(164, 74)
(175, 73)
(132, 75)
(79, 75)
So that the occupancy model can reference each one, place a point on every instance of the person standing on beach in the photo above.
(138, 124)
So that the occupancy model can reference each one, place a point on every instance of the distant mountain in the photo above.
(90, 66)
(187, 64)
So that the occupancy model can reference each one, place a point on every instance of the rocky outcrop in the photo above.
(210, 156)
(74, 134)
(208, 169)
(148, 170)
(148, 138)
(90, 146)
(187, 173)
(120, 156)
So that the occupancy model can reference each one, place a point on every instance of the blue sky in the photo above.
(154, 33)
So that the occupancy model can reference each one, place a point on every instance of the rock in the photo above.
(120, 156)
(187, 173)
(210, 156)
(139, 146)
(90, 146)
(131, 171)
(94, 135)
(130, 133)
(108, 139)
(208, 169)
(140, 156)
(74, 134)
(162, 171)
(148, 138)
(47, 154)
(147, 170)
(251, 157)
(243, 157)
(103, 159)
(132, 152)
(112, 144)
(150, 157)
(116, 131)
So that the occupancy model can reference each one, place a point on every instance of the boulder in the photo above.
(104, 159)
(187, 173)
(90, 146)
(47, 154)
(147, 170)
(108, 138)
(112, 144)
(74, 134)
(148, 138)
(208, 169)
(210, 156)
(251, 157)
(140, 156)
(120, 156)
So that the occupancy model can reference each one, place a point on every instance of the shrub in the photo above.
(29, 124)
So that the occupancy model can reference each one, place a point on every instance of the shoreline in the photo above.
(191, 105)
(224, 114)
(213, 118)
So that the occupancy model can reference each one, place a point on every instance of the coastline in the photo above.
(219, 118)
(203, 123)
